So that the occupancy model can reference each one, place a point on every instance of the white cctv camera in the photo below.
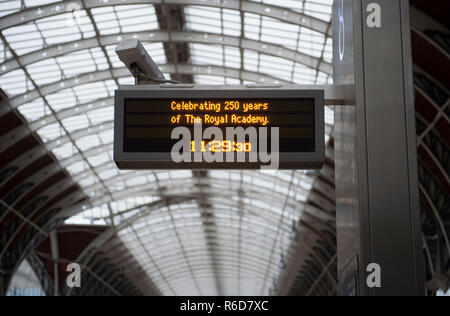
(133, 54)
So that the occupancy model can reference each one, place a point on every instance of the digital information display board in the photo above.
(273, 128)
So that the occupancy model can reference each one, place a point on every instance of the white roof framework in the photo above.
(227, 237)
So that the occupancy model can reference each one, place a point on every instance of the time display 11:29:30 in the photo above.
(222, 146)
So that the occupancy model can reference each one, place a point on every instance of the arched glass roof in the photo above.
(228, 230)
(25, 282)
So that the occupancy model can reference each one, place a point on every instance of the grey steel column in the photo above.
(378, 214)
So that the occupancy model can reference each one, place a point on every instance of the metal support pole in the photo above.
(378, 210)
(55, 257)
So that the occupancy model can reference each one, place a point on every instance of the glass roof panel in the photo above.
(25, 282)
(9, 7)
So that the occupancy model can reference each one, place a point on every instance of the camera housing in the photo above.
(133, 54)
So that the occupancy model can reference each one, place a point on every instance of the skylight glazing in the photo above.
(58, 65)
(25, 282)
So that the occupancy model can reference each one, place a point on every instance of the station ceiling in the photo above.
(194, 233)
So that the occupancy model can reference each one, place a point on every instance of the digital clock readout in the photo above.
(223, 146)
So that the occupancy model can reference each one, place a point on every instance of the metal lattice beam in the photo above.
(285, 15)
(171, 18)
(157, 36)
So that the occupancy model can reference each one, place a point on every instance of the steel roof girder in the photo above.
(100, 76)
(62, 49)
(283, 14)
(24, 160)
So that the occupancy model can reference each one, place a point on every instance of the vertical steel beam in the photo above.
(171, 18)
(55, 257)
(376, 160)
